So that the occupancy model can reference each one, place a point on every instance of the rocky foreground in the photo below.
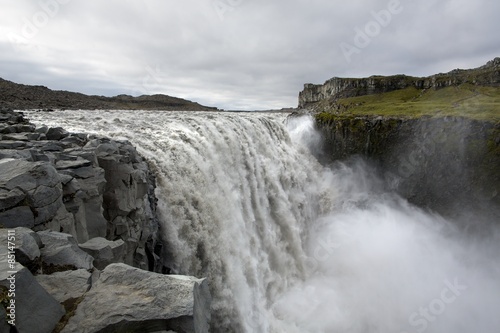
(82, 213)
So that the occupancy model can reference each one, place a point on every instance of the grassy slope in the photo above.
(477, 102)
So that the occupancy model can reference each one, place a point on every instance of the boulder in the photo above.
(67, 285)
(35, 309)
(41, 184)
(104, 251)
(42, 129)
(56, 133)
(9, 144)
(21, 216)
(61, 252)
(127, 299)
(17, 154)
(10, 198)
(26, 246)
(72, 164)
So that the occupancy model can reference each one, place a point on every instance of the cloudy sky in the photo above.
(237, 54)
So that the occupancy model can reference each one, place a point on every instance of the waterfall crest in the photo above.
(291, 246)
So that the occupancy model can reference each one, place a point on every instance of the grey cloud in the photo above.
(257, 55)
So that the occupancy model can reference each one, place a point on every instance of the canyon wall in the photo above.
(439, 163)
(335, 88)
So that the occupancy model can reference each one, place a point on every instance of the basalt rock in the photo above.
(61, 252)
(35, 309)
(67, 285)
(63, 192)
(127, 299)
(26, 247)
(104, 251)
(83, 185)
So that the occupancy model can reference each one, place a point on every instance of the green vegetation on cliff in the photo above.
(476, 102)
(471, 93)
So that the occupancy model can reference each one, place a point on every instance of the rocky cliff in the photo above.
(436, 140)
(77, 205)
(335, 88)
(435, 162)
(23, 97)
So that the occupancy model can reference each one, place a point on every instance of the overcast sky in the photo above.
(237, 54)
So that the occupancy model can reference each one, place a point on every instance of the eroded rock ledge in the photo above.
(81, 204)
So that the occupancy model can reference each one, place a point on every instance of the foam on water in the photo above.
(291, 246)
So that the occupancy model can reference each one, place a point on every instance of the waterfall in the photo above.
(291, 246)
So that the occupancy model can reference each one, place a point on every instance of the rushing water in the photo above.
(291, 246)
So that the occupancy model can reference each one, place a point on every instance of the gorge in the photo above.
(289, 245)
(373, 208)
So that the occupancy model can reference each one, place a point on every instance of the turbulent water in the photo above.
(289, 245)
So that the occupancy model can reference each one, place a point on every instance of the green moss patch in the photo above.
(466, 100)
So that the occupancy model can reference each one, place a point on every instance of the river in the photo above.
(290, 245)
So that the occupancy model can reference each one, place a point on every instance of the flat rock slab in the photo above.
(128, 299)
(66, 285)
(10, 144)
(104, 251)
(72, 164)
(61, 252)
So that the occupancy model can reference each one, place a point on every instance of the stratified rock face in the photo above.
(87, 187)
(127, 299)
(488, 75)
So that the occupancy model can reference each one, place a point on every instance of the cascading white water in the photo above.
(290, 246)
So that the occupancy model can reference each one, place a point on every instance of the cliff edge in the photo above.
(337, 88)
(436, 140)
